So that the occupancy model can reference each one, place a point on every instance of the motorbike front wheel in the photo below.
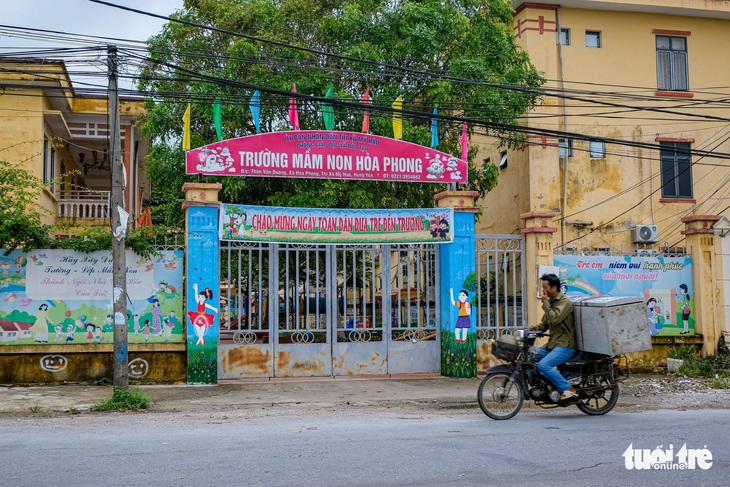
(601, 398)
(499, 396)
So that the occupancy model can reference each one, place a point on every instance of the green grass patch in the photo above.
(710, 367)
(123, 400)
(721, 383)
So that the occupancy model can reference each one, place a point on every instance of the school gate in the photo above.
(288, 298)
(293, 310)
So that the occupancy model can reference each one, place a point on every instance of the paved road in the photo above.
(343, 446)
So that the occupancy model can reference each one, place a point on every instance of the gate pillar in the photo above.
(202, 278)
(704, 305)
(538, 251)
(457, 276)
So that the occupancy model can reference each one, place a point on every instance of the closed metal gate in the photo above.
(500, 283)
(325, 310)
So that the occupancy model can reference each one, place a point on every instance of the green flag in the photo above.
(328, 111)
(218, 118)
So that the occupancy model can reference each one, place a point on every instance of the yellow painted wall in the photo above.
(600, 190)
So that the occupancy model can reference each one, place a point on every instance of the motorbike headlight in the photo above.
(519, 334)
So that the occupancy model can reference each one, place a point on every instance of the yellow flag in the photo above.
(186, 129)
(398, 118)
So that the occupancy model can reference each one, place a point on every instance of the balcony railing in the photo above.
(83, 204)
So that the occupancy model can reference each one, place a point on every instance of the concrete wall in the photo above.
(151, 364)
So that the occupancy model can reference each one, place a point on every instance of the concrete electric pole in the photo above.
(119, 219)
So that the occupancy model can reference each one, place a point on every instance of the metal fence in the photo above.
(500, 284)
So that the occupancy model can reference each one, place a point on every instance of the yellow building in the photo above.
(643, 84)
(61, 136)
(630, 137)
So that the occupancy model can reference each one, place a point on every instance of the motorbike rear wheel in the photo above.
(603, 398)
(500, 397)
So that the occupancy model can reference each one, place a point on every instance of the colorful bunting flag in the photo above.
(255, 107)
(398, 118)
(328, 111)
(366, 117)
(186, 129)
(218, 118)
(434, 128)
(293, 113)
(464, 143)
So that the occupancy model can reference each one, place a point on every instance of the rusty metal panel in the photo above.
(409, 357)
(358, 358)
(303, 360)
(236, 361)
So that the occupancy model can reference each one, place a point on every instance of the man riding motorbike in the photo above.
(558, 320)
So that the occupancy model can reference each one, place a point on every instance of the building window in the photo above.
(593, 38)
(46, 159)
(671, 63)
(597, 149)
(564, 37)
(676, 167)
(49, 164)
(565, 147)
(502, 160)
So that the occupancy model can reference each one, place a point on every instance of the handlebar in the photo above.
(530, 333)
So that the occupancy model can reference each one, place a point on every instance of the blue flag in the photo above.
(255, 107)
(434, 129)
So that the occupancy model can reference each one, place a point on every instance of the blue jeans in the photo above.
(548, 359)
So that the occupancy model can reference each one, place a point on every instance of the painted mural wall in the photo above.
(664, 284)
(65, 297)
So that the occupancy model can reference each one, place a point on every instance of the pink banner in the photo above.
(321, 154)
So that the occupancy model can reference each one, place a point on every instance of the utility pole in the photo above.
(119, 219)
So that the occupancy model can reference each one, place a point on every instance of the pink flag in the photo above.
(293, 113)
(464, 143)
(366, 117)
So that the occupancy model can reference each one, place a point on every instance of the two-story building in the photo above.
(63, 138)
(634, 117)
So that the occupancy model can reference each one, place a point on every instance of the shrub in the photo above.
(722, 382)
(681, 352)
(124, 399)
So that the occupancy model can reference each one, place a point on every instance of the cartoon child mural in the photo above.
(137, 326)
(201, 320)
(5, 267)
(653, 317)
(442, 231)
(166, 331)
(172, 319)
(40, 327)
(59, 333)
(156, 317)
(90, 333)
(463, 322)
(98, 336)
(146, 330)
(70, 330)
(683, 299)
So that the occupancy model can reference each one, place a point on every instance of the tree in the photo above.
(21, 214)
(425, 50)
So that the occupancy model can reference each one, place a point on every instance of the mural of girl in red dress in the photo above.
(201, 320)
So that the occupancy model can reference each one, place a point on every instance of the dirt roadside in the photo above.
(434, 393)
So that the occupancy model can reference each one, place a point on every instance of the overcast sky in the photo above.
(84, 17)
(79, 17)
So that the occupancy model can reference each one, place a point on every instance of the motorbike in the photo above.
(504, 389)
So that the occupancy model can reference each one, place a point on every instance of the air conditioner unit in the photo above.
(645, 234)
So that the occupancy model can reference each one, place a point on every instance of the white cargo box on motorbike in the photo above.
(611, 325)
